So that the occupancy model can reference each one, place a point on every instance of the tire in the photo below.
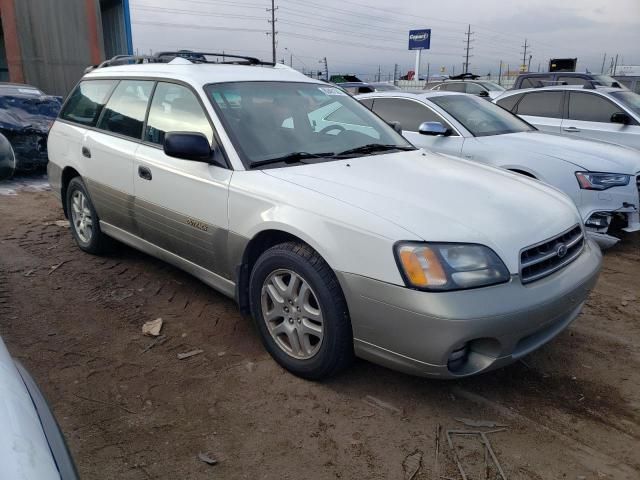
(292, 338)
(80, 211)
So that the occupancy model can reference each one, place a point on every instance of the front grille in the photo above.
(542, 259)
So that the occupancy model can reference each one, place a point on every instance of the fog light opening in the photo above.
(598, 221)
(458, 357)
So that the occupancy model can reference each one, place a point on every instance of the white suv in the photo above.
(338, 240)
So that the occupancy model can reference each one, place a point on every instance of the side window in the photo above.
(573, 81)
(410, 114)
(367, 102)
(536, 82)
(455, 87)
(474, 88)
(175, 108)
(590, 108)
(125, 111)
(509, 102)
(541, 104)
(86, 101)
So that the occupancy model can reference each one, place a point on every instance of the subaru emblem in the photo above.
(561, 251)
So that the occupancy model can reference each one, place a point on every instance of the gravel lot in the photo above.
(571, 409)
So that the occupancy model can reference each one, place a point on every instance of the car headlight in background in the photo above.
(449, 266)
(601, 181)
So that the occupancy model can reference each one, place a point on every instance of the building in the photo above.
(49, 43)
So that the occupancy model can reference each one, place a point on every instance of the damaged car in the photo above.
(26, 115)
(602, 179)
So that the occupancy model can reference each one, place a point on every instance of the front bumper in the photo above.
(416, 332)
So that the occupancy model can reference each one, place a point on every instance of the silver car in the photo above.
(604, 114)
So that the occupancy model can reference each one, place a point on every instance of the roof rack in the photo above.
(193, 57)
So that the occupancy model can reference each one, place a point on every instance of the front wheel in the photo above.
(300, 311)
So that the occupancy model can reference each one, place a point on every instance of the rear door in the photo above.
(410, 114)
(181, 205)
(589, 116)
(543, 109)
(109, 152)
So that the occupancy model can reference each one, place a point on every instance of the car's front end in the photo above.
(449, 334)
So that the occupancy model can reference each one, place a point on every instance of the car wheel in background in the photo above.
(83, 219)
(300, 311)
(7, 158)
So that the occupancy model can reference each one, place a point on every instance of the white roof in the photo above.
(561, 87)
(203, 73)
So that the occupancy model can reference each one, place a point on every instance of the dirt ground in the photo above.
(571, 409)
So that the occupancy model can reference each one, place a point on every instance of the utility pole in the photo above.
(466, 57)
(604, 59)
(428, 68)
(529, 65)
(526, 46)
(273, 29)
(326, 68)
(615, 65)
(378, 73)
(395, 73)
(500, 74)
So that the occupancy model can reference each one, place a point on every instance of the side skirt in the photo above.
(227, 287)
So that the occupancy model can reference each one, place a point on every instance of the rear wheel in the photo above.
(300, 311)
(83, 219)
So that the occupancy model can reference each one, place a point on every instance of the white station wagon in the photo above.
(338, 240)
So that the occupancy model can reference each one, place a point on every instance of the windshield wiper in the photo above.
(294, 157)
(372, 148)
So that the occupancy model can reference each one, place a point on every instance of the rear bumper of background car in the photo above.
(455, 334)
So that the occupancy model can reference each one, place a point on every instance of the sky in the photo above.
(365, 36)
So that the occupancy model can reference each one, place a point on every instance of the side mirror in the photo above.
(483, 93)
(620, 117)
(187, 146)
(433, 128)
(396, 126)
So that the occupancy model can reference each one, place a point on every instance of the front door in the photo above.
(589, 117)
(181, 205)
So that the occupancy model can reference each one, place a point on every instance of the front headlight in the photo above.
(449, 266)
(601, 181)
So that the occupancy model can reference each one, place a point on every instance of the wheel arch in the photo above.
(258, 244)
(68, 173)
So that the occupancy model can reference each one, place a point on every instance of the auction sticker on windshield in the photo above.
(331, 91)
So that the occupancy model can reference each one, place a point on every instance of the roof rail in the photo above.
(166, 57)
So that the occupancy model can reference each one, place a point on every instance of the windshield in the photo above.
(281, 120)
(492, 86)
(384, 87)
(480, 117)
(629, 99)
(607, 81)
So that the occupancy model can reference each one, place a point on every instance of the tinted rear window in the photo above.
(87, 101)
(541, 104)
(509, 102)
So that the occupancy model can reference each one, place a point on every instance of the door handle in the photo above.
(571, 129)
(144, 173)
(86, 152)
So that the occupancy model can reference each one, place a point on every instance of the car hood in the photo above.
(586, 154)
(28, 114)
(443, 199)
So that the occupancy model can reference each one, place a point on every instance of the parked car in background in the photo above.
(32, 446)
(481, 88)
(632, 82)
(547, 79)
(338, 239)
(599, 178)
(26, 115)
(355, 88)
(605, 114)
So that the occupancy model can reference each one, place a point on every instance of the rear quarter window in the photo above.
(87, 101)
(509, 103)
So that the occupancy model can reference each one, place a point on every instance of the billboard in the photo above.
(420, 39)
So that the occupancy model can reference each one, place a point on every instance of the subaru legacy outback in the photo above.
(339, 240)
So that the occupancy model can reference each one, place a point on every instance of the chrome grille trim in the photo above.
(541, 259)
